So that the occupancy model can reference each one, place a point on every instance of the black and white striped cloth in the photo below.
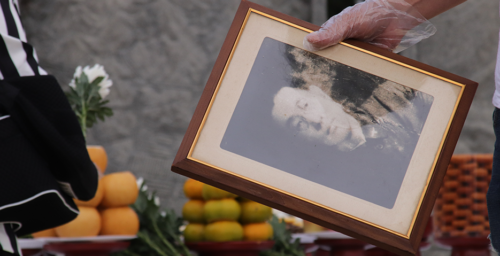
(8, 241)
(17, 59)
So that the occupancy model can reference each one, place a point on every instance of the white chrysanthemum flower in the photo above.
(145, 188)
(87, 97)
(140, 180)
(157, 201)
(93, 73)
(98, 71)
(78, 73)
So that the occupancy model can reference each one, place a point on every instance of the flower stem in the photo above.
(83, 120)
(163, 239)
(184, 248)
(151, 244)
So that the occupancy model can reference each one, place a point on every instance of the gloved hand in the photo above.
(390, 24)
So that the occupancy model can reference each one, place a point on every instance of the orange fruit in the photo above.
(254, 212)
(45, 233)
(242, 199)
(94, 202)
(223, 209)
(119, 221)
(310, 227)
(119, 188)
(223, 231)
(87, 223)
(192, 211)
(210, 193)
(99, 157)
(193, 188)
(257, 231)
(194, 232)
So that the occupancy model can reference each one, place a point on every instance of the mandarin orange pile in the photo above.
(109, 212)
(219, 216)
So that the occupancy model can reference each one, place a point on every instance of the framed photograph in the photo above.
(353, 137)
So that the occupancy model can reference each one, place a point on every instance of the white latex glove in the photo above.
(390, 24)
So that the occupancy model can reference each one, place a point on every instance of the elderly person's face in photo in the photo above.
(313, 114)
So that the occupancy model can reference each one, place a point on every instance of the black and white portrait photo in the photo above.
(327, 122)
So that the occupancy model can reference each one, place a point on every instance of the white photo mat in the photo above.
(400, 218)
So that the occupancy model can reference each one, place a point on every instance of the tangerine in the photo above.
(223, 209)
(99, 157)
(210, 193)
(87, 223)
(119, 188)
(252, 211)
(223, 231)
(94, 202)
(193, 189)
(119, 221)
(194, 232)
(192, 211)
(261, 231)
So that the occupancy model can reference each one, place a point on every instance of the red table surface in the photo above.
(86, 248)
(240, 248)
(467, 246)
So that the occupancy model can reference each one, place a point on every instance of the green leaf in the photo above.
(107, 111)
(81, 85)
(97, 80)
(157, 232)
(93, 94)
(83, 79)
(86, 102)
(282, 237)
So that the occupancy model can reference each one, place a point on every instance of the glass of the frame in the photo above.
(327, 122)
(344, 129)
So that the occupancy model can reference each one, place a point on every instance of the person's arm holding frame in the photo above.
(391, 24)
(430, 9)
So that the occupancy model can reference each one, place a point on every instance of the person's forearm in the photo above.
(384, 23)
(431, 8)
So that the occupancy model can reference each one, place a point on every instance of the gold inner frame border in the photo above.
(250, 11)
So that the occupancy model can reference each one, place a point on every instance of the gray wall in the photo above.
(159, 54)
(466, 44)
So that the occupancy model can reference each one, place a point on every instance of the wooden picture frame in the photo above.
(234, 140)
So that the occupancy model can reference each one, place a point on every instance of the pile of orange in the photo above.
(219, 216)
(108, 213)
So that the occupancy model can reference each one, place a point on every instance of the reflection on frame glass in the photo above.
(327, 122)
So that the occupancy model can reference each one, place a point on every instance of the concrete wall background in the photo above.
(466, 44)
(159, 54)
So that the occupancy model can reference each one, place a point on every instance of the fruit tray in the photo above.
(240, 248)
(95, 246)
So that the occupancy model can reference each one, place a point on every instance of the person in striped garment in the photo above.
(37, 126)
(18, 59)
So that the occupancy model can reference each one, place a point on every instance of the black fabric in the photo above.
(43, 212)
(30, 58)
(41, 144)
